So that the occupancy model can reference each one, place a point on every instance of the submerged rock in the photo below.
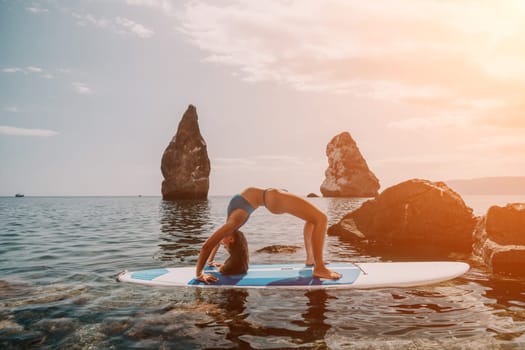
(348, 174)
(275, 249)
(57, 325)
(412, 213)
(10, 327)
(500, 239)
(14, 290)
(185, 164)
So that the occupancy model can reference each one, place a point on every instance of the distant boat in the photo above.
(19, 195)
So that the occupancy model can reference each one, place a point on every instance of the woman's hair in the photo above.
(239, 258)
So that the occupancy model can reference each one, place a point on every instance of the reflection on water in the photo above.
(185, 225)
(338, 207)
(315, 316)
(277, 322)
(184, 216)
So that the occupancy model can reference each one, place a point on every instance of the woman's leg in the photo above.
(308, 230)
(285, 202)
(318, 237)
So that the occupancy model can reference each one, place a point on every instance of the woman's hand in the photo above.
(206, 278)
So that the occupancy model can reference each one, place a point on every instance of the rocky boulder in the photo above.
(413, 213)
(500, 239)
(185, 164)
(347, 174)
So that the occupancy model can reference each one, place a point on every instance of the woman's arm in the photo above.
(211, 259)
(234, 221)
(208, 246)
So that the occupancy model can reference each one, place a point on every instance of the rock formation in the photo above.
(500, 239)
(413, 213)
(185, 164)
(348, 174)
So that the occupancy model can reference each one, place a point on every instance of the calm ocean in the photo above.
(59, 257)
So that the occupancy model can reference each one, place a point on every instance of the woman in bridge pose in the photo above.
(277, 202)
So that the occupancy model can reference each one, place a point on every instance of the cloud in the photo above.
(34, 69)
(439, 121)
(279, 159)
(12, 70)
(260, 162)
(119, 25)
(14, 131)
(165, 6)
(224, 163)
(24, 70)
(136, 28)
(449, 57)
(510, 115)
(84, 20)
(30, 70)
(507, 144)
(81, 88)
(426, 159)
(491, 154)
(12, 109)
(36, 9)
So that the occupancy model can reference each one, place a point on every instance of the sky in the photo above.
(91, 92)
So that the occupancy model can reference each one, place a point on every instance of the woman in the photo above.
(277, 202)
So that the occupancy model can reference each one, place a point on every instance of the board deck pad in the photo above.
(282, 275)
(362, 275)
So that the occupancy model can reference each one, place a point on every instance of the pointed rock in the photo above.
(348, 174)
(185, 164)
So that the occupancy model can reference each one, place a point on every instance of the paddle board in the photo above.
(299, 276)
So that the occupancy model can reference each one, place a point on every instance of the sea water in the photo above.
(59, 258)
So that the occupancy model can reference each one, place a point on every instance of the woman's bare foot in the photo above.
(326, 273)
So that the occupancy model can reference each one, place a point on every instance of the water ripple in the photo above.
(59, 258)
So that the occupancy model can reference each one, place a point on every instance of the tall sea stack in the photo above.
(348, 174)
(185, 164)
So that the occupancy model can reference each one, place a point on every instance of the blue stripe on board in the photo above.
(303, 266)
(285, 277)
(148, 275)
(276, 266)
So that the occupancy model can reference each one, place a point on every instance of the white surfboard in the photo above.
(362, 275)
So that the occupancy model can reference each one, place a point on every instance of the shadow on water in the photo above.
(185, 225)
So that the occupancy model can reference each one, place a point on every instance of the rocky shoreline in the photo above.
(418, 216)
